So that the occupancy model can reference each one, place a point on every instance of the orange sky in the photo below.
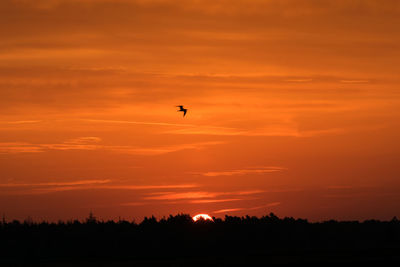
(293, 108)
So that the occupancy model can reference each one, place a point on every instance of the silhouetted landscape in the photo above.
(136, 108)
(179, 241)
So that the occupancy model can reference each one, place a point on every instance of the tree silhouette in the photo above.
(176, 238)
(91, 218)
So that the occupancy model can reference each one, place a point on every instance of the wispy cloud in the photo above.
(210, 196)
(272, 204)
(17, 147)
(299, 80)
(201, 201)
(354, 81)
(293, 132)
(81, 182)
(250, 192)
(80, 143)
(227, 210)
(161, 149)
(93, 143)
(21, 122)
(139, 122)
(268, 169)
(70, 146)
(209, 131)
(266, 131)
(147, 187)
(187, 128)
(105, 184)
(49, 187)
(84, 140)
(159, 124)
(185, 195)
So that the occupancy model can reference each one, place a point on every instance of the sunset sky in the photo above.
(293, 108)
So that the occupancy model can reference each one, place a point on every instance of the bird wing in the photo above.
(184, 112)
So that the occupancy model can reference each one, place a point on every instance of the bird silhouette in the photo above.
(181, 109)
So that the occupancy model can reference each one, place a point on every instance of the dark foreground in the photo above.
(178, 241)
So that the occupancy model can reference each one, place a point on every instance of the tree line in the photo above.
(179, 237)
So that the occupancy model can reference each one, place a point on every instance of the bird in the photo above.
(181, 109)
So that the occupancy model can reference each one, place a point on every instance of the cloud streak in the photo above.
(92, 143)
(285, 131)
(243, 171)
(55, 184)
(272, 204)
(227, 210)
(150, 151)
(17, 147)
(206, 201)
(210, 196)
(140, 123)
(185, 195)
(22, 122)
(105, 184)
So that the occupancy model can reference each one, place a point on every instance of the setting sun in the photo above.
(202, 216)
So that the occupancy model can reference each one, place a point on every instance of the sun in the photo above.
(202, 216)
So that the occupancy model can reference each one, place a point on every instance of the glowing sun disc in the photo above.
(203, 216)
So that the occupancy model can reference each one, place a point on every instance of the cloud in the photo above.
(84, 140)
(207, 131)
(105, 184)
(81, 143)
(139, 122)
(150, 151)
(293, 132)
(185, 195)
(355, 81)
(288, 130)
(243, 171)
(55, 184)
(227, 210)
(272, 204)
(299, 80)
(201, 201)
(250, 192)
(49, 187)
(17, 147)
(22, 122)
(199, 129)
(200, 195)
(93, 143)
(149, 187)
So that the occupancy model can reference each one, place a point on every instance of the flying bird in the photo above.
(181, 109)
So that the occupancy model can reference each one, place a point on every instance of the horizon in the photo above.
(292, 108)
(91, 218)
